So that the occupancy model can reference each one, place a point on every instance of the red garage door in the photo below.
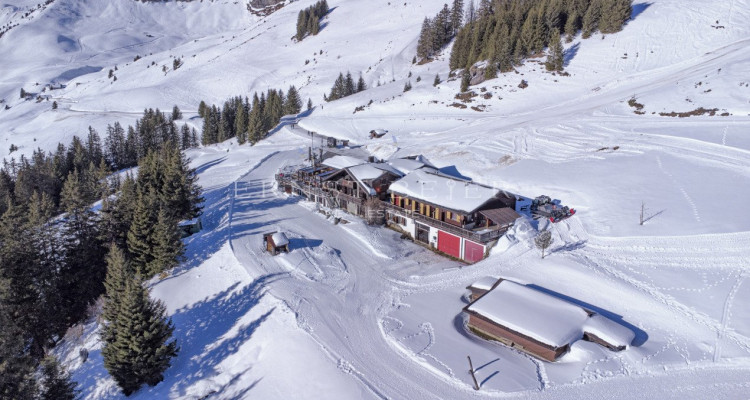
(449, 244)
(473, 252)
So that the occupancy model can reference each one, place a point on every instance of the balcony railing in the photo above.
(479, 237)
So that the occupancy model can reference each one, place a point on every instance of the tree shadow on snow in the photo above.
(203, 167)
(203, 332)
(298, 243)
(202, 245)
(640, 336)
(570, 53)
(638, 9)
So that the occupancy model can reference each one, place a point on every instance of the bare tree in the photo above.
(543, 240)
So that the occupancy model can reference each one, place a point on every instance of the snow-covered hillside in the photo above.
(354, 312)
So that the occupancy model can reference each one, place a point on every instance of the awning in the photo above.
(501, 216)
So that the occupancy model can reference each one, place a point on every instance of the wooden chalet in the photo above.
(458, 217)
(538, 323)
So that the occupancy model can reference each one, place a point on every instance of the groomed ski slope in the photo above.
(355, 312)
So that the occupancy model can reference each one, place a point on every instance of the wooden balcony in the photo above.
(482, 236)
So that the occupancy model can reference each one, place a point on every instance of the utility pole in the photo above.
(471, 371)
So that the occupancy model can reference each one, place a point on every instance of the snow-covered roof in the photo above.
(341, 162)
(279, 239)
(609, 331)
(443, 191)
(366, 171)
(188, 222)
(530, 312)
(485, 283)
(406, 165)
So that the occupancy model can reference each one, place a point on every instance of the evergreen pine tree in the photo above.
(349, 85)
(56, 382)
(555, 56)
(471, 14)
(176, 113)
(590, 23)
(457, 15)
(309, 104)
(424, 44)
(140, 234)
(141, 348)
(361, 84)
(168, 248)
(572, 25)
(82, 273)
(436, 81)
(255, 121)
(185, 139)
(119, 272)
(465, 81)
(16, 365)
(293, 103)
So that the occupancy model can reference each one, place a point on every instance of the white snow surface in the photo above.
(609, 331)
(406, 165)
(354, 311)
(280, 239)
(443, 191)
(485, 283)
(341, 162)
(532, 313)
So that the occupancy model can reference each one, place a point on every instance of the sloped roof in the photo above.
(279, 239)
(485, 283)
(444, 191)
(609, 331)
(501, 216)
(341, 162)
(406, 165)
(533, 313)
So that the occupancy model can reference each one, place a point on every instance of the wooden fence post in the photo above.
(471, 371)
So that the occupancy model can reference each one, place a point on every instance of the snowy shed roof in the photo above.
(406, 165)
(609, 331)
(341, 162)
(485, 283)
(535, 314)
(279, 239)
(444, 191)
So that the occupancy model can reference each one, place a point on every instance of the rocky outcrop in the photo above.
(264, 3)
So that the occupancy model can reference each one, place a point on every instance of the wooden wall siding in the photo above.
(515, 339)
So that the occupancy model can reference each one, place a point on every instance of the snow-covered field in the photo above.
(355, 312)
